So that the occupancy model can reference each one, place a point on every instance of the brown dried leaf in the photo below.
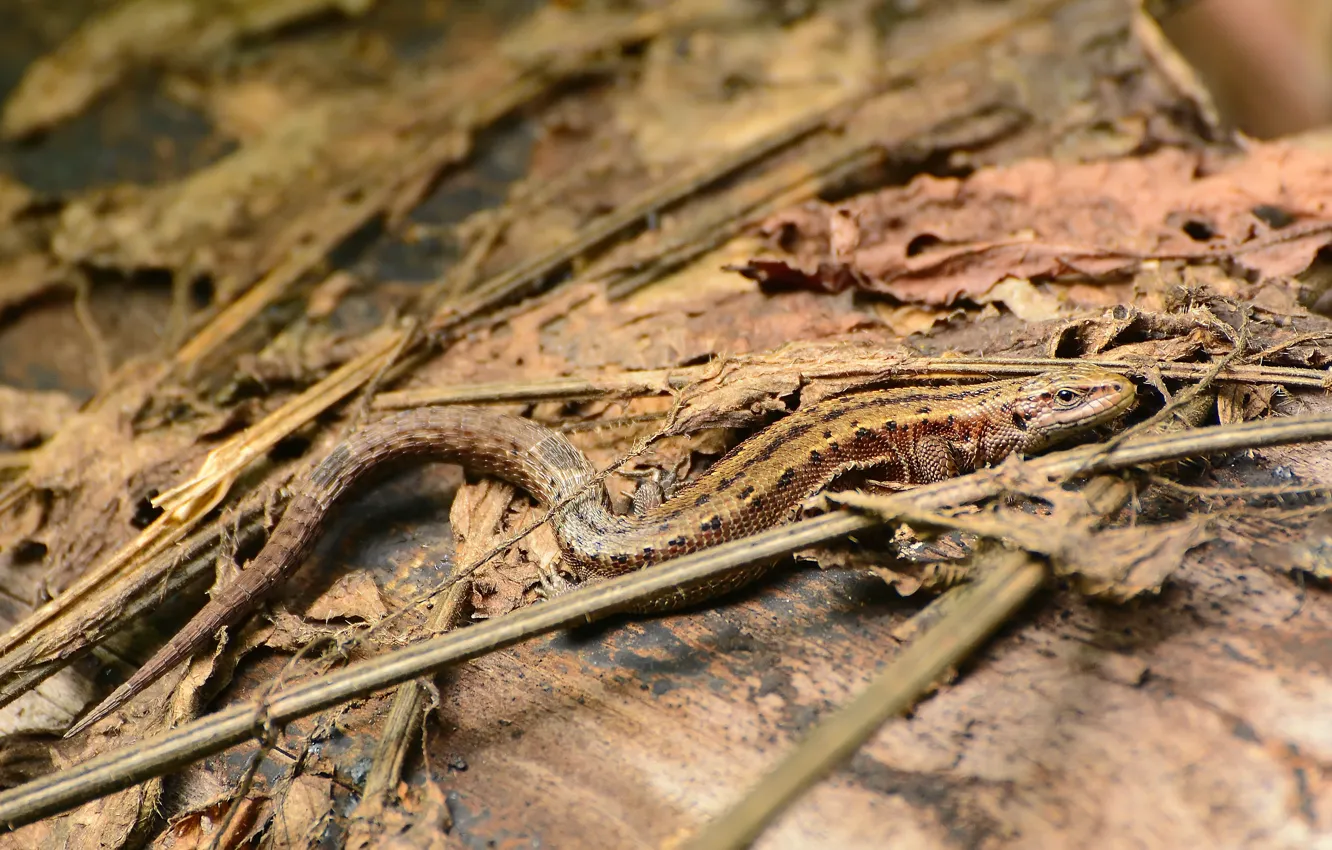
(302, 811)
(110, 822)
(198, 828)
(355, 596)
(251, 209)
(1118, 563)
(290, 633)
(1244, 402)
(1123, 563)
(742, 396)
(1024, 300)
(541, 547)
(1091, 335)
(1156, 336)
(1170, 350)
(734, 85)
(937, 240)
(478, 517)
(475, 516)
(420, 823)
(735, 399)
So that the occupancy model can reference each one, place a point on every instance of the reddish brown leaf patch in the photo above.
(938, 240)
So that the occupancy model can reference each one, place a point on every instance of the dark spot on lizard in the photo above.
(827, 435)
(677, 541)
(702, 500)
(890, 427)
(799, 430)
(756, 502)
(619, 558)
(923, 409)
(747, 492)
(725, 483)
(864, 433)
(711, 524)
(815, 456)
(787, 478)
(770, 449)
(833, 415)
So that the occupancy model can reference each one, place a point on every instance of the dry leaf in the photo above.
(421, 822)
(1123, 563)
(1023, 300)
(937, 240)
(1244, 402)
(197, 829)
(355, 596)
(302, 812)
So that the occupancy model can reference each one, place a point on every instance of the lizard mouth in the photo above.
(1113, 403)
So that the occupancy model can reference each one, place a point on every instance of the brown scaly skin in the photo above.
(910, 436)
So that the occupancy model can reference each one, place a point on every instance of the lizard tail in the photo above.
(286, 549)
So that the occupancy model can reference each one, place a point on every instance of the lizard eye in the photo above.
(1066, 396)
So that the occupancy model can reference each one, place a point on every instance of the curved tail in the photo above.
(534, 457)
(285, 550)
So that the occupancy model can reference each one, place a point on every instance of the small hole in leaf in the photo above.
(1198, 231)
(787, 237)
(921, 244)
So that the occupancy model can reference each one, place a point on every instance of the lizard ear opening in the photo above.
(1019, 421)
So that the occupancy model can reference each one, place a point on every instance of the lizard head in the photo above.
(1069, 400)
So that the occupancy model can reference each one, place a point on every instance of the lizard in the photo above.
(909, 436)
